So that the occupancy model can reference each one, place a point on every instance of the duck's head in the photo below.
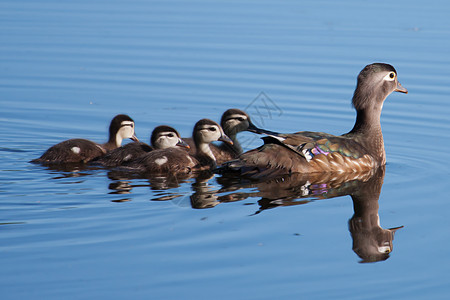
(164, 136)
(235, 120)
(207, 131)
(375, 82)
(122, 127)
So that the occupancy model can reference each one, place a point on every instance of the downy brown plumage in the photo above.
(82, 150)
(232, 122)
(176, 161)
(162, 137)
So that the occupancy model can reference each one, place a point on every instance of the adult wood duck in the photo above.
(162, 137)
(175, 161)
(232, 122)
(307, 152)
(82, 150)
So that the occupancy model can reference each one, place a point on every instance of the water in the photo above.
(68, 67)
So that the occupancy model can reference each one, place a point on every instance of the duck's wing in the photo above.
(311, 144)
(303, 152)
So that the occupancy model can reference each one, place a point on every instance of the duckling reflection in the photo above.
(120, 187)
(72, 170)
(204, 196)
(371, 242)
(124, 181)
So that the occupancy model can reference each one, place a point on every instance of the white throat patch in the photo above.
(126, 131)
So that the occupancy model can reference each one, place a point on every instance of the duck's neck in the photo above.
(205, 155)
(115, 141)
(367, 132)
(367, 122)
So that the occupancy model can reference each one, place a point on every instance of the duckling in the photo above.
(307, 152)
(232, 122)
(177, 161)
(82, 151)
(162, 137)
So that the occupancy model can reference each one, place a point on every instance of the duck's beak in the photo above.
(400, 89)
(393, 230)
(226, 139)
(134, 138)
(182, 143)
(254, 129)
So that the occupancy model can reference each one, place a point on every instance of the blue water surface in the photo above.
(67, 67)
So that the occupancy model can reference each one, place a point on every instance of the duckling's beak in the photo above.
(226, 139)
(254, 129)
(182, 143)
(134, 138)
(400, 89)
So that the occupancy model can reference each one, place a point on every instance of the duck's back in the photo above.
(170, 161)
(123, 155)
(71, 151)
(222, 152)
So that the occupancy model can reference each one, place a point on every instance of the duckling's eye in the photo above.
(390, 76)
(212, 128)
(170, 135)
(240, 119)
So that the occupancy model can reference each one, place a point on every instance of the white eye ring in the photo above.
(390, 77)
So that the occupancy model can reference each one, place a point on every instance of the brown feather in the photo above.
(164, 162)
(71, 151)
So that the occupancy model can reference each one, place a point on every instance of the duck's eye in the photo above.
(390, 76)
(212, 128)
(240, 119)
(170, 135)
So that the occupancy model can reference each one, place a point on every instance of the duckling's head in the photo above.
(207, 131)
(375, 82)
(122, 127)
(166, 137)
(234, 121)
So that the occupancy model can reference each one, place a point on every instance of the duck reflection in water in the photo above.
(204, 195)
(371, 242)
(73, 170)
(123, 182)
